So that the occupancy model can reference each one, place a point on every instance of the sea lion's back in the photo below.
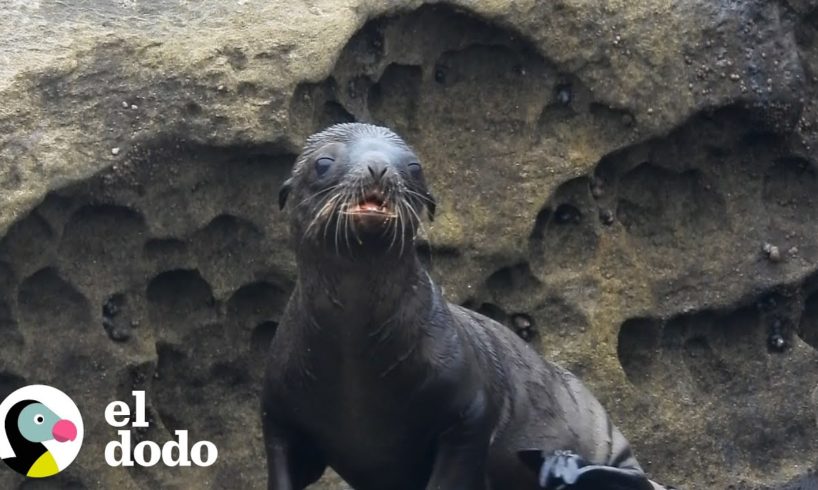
(548, 407)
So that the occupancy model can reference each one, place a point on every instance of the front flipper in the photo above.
(460, 458)
(566, 470)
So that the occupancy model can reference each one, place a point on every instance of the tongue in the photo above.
(370, 206)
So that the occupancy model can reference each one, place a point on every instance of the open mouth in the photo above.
(373, 203)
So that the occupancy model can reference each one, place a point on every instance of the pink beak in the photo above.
(64, 430)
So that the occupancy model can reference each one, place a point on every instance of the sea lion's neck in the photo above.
(363, 292)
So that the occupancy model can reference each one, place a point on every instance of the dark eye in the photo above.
(414, 168)
(39, 419)
(323, 164)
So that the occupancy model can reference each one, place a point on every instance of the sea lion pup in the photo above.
(374, 373)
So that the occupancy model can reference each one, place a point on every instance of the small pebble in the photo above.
(563, 94)
(110, 308)
(521, 321)
(115, 151)
(567, 214)
(523, 325)
(773, 252)
(124, 104)
(134, 107)
(597, 191)
(526, 334)
(119, 335)
(776, 342)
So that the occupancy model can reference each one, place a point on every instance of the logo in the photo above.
(40, 431)
(149, 453)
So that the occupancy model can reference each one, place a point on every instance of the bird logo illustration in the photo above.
(42, 429)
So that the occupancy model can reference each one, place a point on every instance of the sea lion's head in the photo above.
(356, 187)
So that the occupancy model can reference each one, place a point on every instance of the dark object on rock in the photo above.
(773, 252)
(523, 325)
(568, 471)
(117, 328)
(606, 216)
(440, 75)
(776, 342)
(563, 94)
(567, 214)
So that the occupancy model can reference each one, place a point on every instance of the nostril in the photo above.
(377, 171)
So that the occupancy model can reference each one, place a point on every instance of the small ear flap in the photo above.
(532, 458)
(286, 187)
(431, 205)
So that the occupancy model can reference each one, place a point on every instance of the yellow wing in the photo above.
(43, 467)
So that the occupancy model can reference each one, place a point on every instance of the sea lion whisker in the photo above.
(394, 228)
(361, 194)
(321, 212)
(340, 221)
(348, 223)
(337, 233)
(332, 212)
(317, 194)
(327, 209)
(417, 223)
(325, 206)
(423, 197)
(402, 231)
(387, 216)
(329, 200)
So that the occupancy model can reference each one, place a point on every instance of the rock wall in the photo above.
(631, 186)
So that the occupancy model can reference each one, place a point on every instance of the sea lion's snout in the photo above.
(376, 205)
